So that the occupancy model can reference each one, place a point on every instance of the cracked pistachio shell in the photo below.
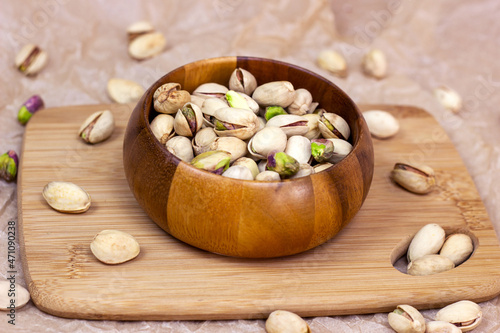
(299, 147)
(441, 327)
(382, 124)
(267, 140)
(242, 101)
(238, 172)
(31, 59)
(239, 123)
(268, 176)
(21, 297)
(332, 125)
(341, 148)
(243, 81)
(162, 127)
(302, 102)
(321, 150)
(418, 180)
(210, 105)
(281, 321)
(169, 98)
(66, 197)
(321, 167)
(406, 319)
(466, 315)
(430, 264)
(124, 91)
(428, 240)
(375, 64)
(216, 161)
(181, 147)
(139, 28)
(202, 140)
(211, 89)
(236, 147)
(457, 247)
(249, 163)
(304, 171)
(290, 124)
(114, 247)
(97, 127)
(147, 45)
(312, 126)
(448, 98)
(276, 93)
(188, 120)
(333, 62)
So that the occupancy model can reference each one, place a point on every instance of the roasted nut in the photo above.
(291, 124)
(180, 146)
(239, 123)
(147, 45)
(234, 146)
(32, 105)
(9, 163)
(238, 172)
(243, 81)
(267, 140)
(406, 319)
(333, 62)
(430, 264)
(299, 147)
(375, 64)
(457, 247)
(210, 90)
(66, 197)
(302, 102)
(169, 98)
(441, 327)
(249, 163)
(188, 120)
(332, 125)
(31, 59)
(162, 127)
(268, 176)
(12, 294)
(283, 164)
(139, 28)
(203, 139)
(417, 180)
(124, 91)
(276, 93)
(97, 127)
(448, 98)
(281, 321)
(216, 161)
(382, 124)
(466, 315)
(428, 240)
(114, 247)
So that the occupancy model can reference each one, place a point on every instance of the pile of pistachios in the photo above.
(268, 132)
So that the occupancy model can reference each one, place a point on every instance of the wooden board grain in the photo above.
(350, 274)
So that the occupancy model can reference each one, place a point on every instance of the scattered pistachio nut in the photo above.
(31, 59)
(32, 105)
(417, 180)
(243, 81)
(466, 315)
(281, 321)
(406, 319)
(428, 240)
(139, 28)
(375, 64)
(457, 247)
(8, 298)
(441, 327)
(147, 45)
(430, 264)
(9, 164)
(382, 124)
(333, 62)
(169, 98)
(97, 127)
(66, 197)
(124, 91)
(448, 98)
(114, 247)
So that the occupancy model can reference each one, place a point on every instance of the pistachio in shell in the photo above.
(97, 127)
(290, 124)
(428, 240)
(333, 62)
(66, 197)
(268, 176)
(406, 319)
(180, 146)
(466, 315)
(375, 64)
(211, 89)
(302, 102)
(216, 161)
(331, 125)
(188, 120)
(299, 147)
(243, 81)
(267, 140)
(281, 321)
(147, 45)
(382, 124)
(419, 180)
(162, 127)
(430, 264)
(312, 126)
(114, 247)
(239, 123)
(169, 98)
(276, 93)
(457, 247)
(249, 163)
(203, 139)
(238, 172)
(441, 327)
(234, 146)
(124, 91)
(31, 59)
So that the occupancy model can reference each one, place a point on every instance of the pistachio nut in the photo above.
(430, 264)
(243, 81)
(406, 319)
(428, 240)
(276, 93)
(302, 102)
(180, 146)
(66, 197)
(333, 62)
(241, 101)
(236, 147)
(147, 45)
(266, 140)
(417, 180)
(283, 164)
(321, 150)
(31, 59)
(322, 166)
(238, 172)
(211, 89)
(114, 247)
(271, 111)
(466, 315)
(382, 124)
(281, 321)
(239, 123)
(169, 98)
(375, 64)
(32, 105)
(448, 98)
(312, 126)
(9, 163)
(197, 100)
(124, 91)
(341, 148)
(457, 247)
(139, 28)
(216, 161)
(291, 124)
(249, 163)
(208, 108)
(304, 170)
(12, 294)
(162, 127)
(97, 127)
(268, 176)
(188, 120)
(299, 147)
(441, 327)
(331, 125)
(203, 139)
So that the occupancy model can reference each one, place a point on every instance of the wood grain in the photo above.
(352, 273)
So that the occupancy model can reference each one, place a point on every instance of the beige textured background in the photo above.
(428, 43)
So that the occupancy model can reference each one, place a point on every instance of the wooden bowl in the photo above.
(238, 217)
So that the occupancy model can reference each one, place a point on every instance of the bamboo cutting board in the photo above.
(352, 273)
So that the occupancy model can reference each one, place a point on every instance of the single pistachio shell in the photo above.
(32, 105)
(262, 165)
(428, 240)
(162, 127)
(430, 264)
(31, 59)
(216, 161)
(457, 247)
(290, 124)
(268, 176)
(267, 140)
(312, 126)
(281, 321)
(188, 120)
(203, 139)
(276, 93)
(238, 172)
(97, 127)
(321, 167)
(333, 62)
(302, 102)
(466, 315)
(9, 164)
(12, 292)
(382, 124)
(299, 147)
(124, 91)
(375, 64)
(304, 171)
(147, 45)
(169, 98)
(249, 163)
(66, 197)
(406, 319)
(114, 247)
(418, 180)
(448, 98)
(441, 327)
(239, 123)
(243, 81)
(236, 147)
(332, 125)
(139, 28)
(211, 89)
(341, 148)
(180, 146)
